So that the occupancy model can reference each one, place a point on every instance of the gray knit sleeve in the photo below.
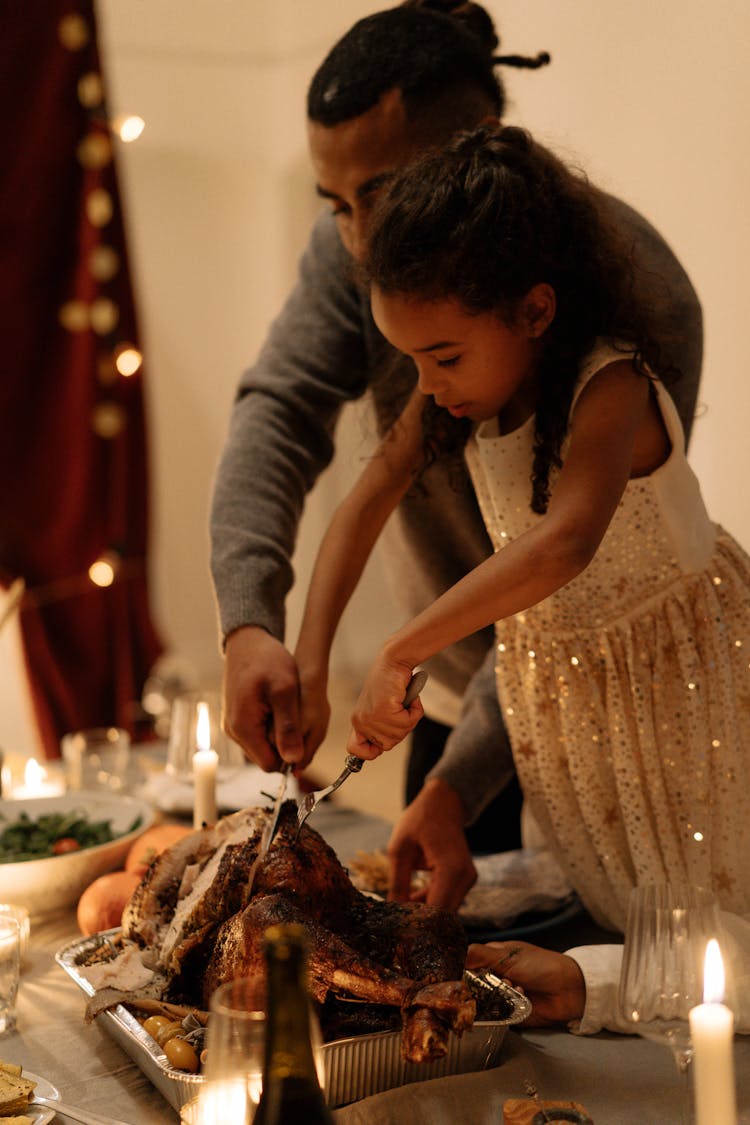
(477, 761)
(281, 434)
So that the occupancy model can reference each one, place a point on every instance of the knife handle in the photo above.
(416, 683)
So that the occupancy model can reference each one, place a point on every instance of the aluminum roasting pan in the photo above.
(354, 1067)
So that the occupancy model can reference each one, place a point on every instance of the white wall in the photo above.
(651, 98)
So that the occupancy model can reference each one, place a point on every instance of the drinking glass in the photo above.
(21, 915)
(667, 930)
(10, 971)
(235, 1045)
(184, 737)
(235, 1037)
(97, 758)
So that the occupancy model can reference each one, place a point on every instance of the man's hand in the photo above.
(552, 981)
(429, 836)
(261, 698)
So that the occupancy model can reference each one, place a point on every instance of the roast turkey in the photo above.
(201, 911)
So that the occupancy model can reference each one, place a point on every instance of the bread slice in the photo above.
(15, 1090)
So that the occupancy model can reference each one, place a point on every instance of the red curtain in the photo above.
(73, 457)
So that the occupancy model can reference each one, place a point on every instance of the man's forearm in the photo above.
(477, 761)
(281, 435)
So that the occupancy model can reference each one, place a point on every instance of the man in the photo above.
(399, 81)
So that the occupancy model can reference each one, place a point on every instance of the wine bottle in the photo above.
(291, 1093)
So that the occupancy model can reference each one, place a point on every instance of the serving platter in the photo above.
(355, 1067)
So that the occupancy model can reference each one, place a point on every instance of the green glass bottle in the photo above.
(291, 1093)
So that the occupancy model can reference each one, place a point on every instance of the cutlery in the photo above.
(270, 828)
(353, 764)
(84, 1116)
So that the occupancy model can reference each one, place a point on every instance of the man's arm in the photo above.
(476, 765)
(281, 434)
(280, 437)
(670, 294)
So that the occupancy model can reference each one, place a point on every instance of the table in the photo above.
(621, 1080)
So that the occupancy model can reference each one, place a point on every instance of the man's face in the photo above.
(352, 161)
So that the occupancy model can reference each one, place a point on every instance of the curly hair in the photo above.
(481, 222)
(434, 51)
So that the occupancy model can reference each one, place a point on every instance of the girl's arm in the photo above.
(344, 550)
(611, 429)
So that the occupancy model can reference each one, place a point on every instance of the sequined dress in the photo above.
(626, 694)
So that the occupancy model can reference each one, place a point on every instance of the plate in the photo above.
(528, 925)
(46, 886)
(41, 1114)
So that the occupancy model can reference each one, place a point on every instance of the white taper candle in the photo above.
(712, 1031)
(205, 765)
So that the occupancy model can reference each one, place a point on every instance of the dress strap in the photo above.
(601, 355)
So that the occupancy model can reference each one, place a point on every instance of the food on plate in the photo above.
(370, 871)
(151, 844)
(15, 1092)
(101, 905)
(529, 1111)
(54, 833)
(181, 1054)
(198, 916)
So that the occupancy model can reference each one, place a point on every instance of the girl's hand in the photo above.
(379, 720)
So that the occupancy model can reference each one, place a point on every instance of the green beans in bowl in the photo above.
(51, 848)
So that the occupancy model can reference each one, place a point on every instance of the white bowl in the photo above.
(46, 886)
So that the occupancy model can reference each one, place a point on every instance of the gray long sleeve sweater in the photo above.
(322, 351)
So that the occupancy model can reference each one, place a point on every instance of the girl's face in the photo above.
(473, 365)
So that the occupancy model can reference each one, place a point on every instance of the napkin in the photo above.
(235, 789)
(513, 883)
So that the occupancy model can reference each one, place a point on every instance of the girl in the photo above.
(622, 612)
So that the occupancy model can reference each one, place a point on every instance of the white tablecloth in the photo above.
(620, 1080)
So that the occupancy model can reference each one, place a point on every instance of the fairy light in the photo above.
(128, 127)
(103, 570)
(128, 360)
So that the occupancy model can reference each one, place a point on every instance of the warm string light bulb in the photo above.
(128, 360)
(103, 570)
(128, 127)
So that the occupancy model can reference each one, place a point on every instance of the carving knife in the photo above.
(268, 832)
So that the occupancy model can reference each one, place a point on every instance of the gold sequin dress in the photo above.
(626, 694)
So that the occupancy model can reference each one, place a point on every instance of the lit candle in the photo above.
(220, 1101)
(38, 783)
(205, 763)
(712, 1031)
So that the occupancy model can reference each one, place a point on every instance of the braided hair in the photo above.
(481, 222)
(436, 52)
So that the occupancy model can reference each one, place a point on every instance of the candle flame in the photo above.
(33, 775)
(203, 728)
(713, 974)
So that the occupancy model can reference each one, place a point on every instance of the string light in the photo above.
(103, 570)
(128, 127)
(128, 360)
